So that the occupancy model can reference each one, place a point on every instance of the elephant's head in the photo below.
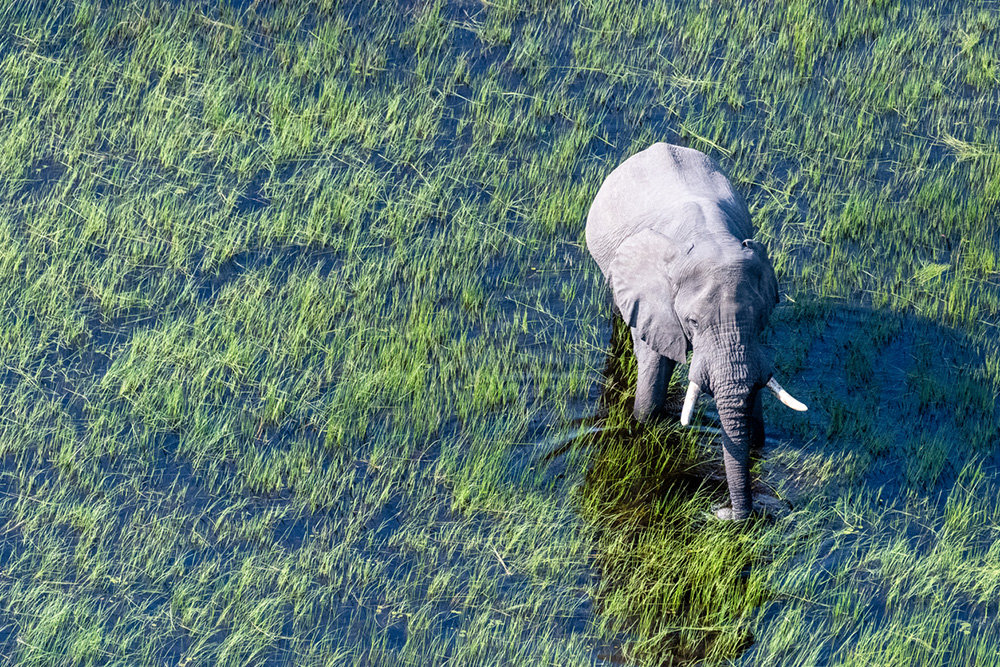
(713, 298)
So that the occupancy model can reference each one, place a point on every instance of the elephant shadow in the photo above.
(898, 402)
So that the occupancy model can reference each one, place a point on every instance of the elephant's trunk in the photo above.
(737, 371)
(730, 364)
(735, 407)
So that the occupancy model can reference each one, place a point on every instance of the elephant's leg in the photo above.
(654, 377)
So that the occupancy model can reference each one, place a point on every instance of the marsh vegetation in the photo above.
(304, 360)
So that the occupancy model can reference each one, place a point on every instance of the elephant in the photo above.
(675, 243)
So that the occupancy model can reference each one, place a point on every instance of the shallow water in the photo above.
(396, 494)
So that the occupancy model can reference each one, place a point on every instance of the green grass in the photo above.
(297, 321)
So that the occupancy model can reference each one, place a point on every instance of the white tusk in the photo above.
(785, 397)
(694, 391)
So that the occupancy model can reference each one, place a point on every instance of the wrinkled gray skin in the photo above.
(674, 241)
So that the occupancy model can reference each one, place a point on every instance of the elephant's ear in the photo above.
(644, 293)
(768, 282)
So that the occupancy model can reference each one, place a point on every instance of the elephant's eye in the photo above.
(693, 322)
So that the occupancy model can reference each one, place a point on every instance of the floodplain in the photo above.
(304, 360)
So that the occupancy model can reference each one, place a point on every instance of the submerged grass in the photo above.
(302, 348)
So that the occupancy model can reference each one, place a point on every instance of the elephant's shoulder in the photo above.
(679, 159)
(662, 149)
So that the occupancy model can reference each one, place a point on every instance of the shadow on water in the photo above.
(903, 403)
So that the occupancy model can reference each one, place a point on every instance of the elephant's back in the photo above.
(651, 188)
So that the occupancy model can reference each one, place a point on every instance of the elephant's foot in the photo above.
(649, 414)
(727, 514)
(724, 512)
